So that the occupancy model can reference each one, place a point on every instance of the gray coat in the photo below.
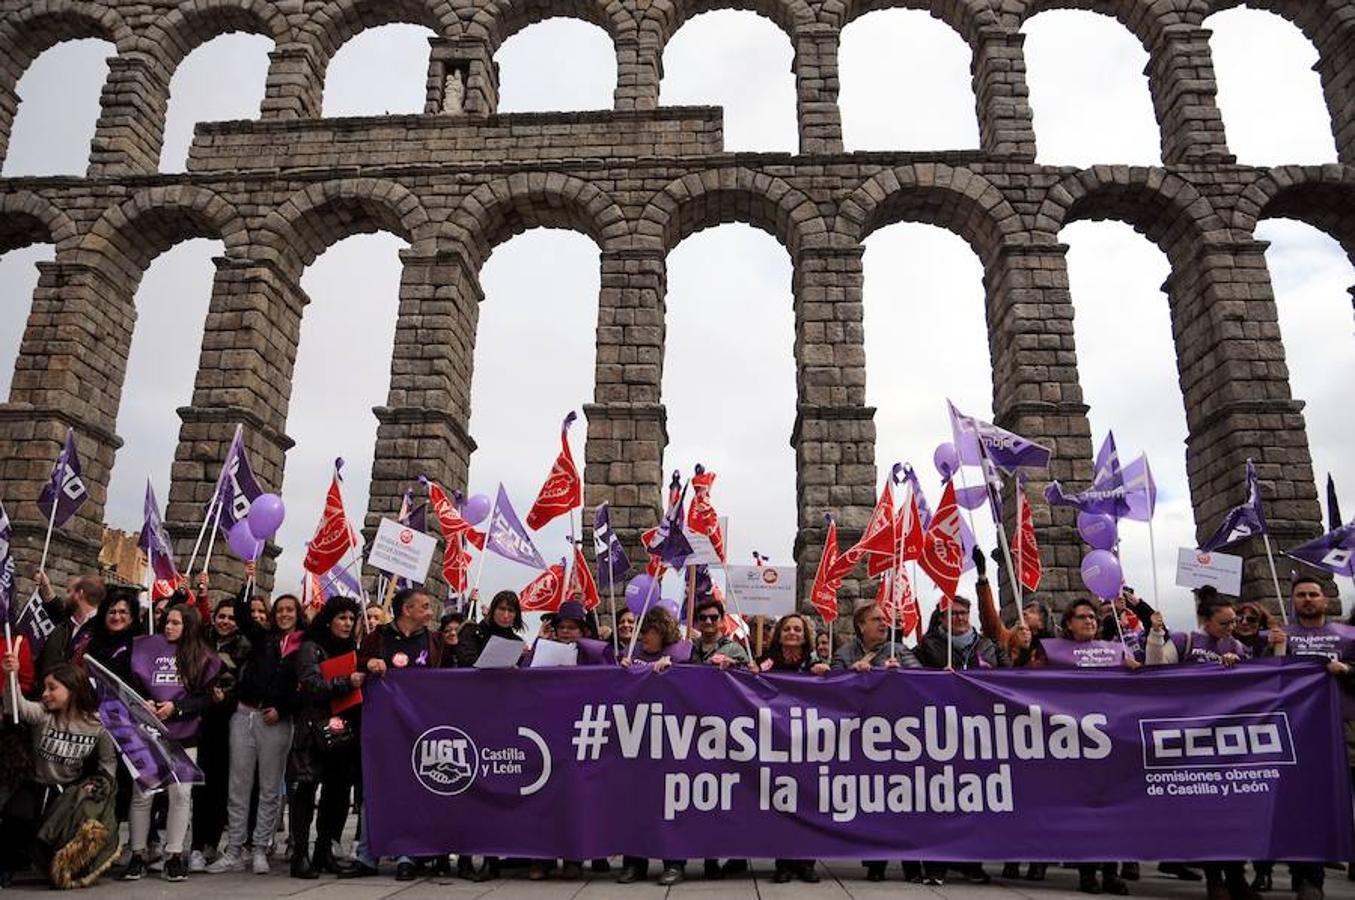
(848, 654)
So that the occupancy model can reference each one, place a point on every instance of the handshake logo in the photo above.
(1207, 742)
(444, 760)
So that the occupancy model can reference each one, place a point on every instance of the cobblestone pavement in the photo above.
(840, 880)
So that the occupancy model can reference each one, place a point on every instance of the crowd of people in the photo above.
(248, 687)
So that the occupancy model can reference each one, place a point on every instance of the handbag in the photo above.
(336, 733)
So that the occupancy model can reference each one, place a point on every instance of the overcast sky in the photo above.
(731, 401)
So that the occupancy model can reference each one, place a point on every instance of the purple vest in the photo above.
(1199, 647)
(156, 668)
(1065, 654)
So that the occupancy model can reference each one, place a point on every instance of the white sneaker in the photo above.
(197, 862)
(228, 861)
(261, 866)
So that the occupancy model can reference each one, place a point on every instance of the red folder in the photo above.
(336, 667)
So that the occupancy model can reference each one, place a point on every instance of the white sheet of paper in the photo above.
(547, 654)
(500, 653)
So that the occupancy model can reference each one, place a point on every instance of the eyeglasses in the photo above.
(708, 617)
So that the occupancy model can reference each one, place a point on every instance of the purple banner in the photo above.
(1242, 763)
(154, 760)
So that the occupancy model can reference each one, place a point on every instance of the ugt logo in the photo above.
(444, 760)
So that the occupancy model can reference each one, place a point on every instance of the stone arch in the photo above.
(967, 19)
(333, 25)
(957, 199)
(735, 194)
(498, 210)
(1146, 19)
(1165, 208)
(127, 238)
(27, 218)
(196, 22)
(664, 17)
(26, 35)
(1321, 196)
(314, 218)
(498, 21)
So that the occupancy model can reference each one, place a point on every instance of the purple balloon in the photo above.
(946, 460)
(1097, 529)
(242, 542)
(642, 586)
(1101, 574)
(265, 516)
(669, 604)
(475, 509)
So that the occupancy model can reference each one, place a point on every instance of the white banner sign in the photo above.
(402, 551)
(761, 590)
(1195, 568)
(703, 551)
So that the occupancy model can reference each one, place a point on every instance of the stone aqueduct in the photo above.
(279, 190)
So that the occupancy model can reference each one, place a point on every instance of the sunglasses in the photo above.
(708, 617)
(1249, 619)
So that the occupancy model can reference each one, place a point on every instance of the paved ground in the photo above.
(840, 880)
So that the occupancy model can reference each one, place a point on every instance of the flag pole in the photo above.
(211, 540)
(1275, 578)
(202, 532)
(691, 600)
(47, 543)
(1152, 556)
(11, 647)
(480, 564)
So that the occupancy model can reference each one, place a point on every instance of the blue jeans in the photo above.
(360, 851)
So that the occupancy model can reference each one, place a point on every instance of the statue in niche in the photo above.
(454, 93)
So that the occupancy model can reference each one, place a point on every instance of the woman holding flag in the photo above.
(176, 670)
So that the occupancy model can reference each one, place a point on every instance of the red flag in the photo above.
(896, 596)
(165, 587)
(563, 489)
(701, 515)
(456, 564)
(942, 549)
(1024, 548)
(546, 591)
(878, 541)
(333, 536)
(911, 528)
(448, 516)
(581, 583)
(828, 577)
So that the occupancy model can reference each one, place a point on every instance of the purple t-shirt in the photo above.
(1065, 654)
(156, 666)
(1199, 647)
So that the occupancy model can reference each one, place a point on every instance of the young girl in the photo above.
(66, 735)
(176, 671)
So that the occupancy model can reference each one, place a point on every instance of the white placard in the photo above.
(761, 590)
(1195, 568)
(549, 654)
(703, 551)
(500, 653)
(402, 551)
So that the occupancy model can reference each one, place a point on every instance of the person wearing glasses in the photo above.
(1212, 643)
(714, 647)
(1258, 631)
(871, 648)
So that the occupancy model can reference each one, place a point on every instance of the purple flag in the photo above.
(1141, 488)
(612, 562)
(924, 511)
(1334, 552)
(340, 581)
(6, 565)
(506, 536)
(155, 542)
(154, 760)
(236, 486)
(1008, 451)
(1241, 522)
(33, 622)
(669, 543)
(1333, 507)
(64, 492)
(1106, 470)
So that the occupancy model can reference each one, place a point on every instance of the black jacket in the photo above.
(265, 679)
(931, 652)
